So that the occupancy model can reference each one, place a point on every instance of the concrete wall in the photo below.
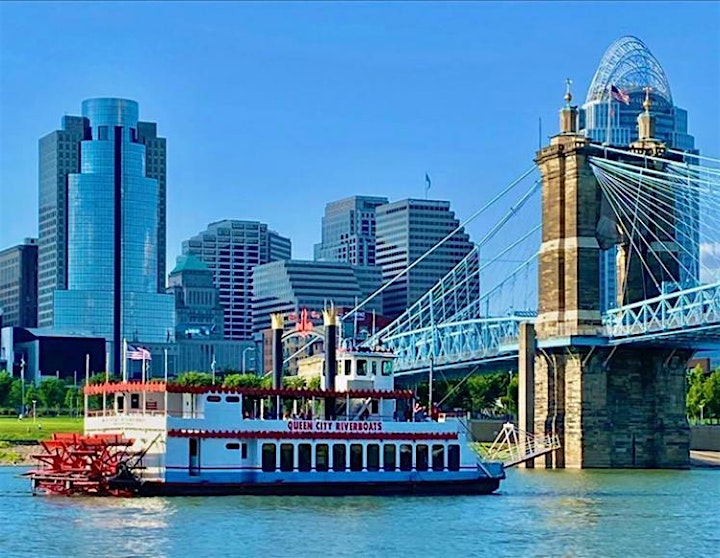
(705, 438)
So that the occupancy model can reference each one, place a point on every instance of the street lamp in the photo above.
(34, 409)
(245, 350)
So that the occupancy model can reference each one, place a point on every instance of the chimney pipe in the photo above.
(277, 352)
(330, 363)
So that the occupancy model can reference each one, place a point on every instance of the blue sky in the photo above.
(273, 109)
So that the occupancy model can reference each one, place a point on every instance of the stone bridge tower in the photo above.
(612, 406)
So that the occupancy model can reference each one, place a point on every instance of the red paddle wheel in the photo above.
(84, 465)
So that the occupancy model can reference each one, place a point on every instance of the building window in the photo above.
(438, 457)
(454, 457)
(287, 457)
(406, 457)
(102, 133)
(269, 458)
(356, 457)
(304, 457)
(389, 457)
(321, 457)
(339, 457)
(421, 457)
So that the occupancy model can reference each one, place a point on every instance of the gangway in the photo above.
(513, 446)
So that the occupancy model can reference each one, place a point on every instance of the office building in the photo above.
(348, 231)
(18, 284)
(630, 67)
(407, 229)
(231, 249)
(60, 157)
(112, 231)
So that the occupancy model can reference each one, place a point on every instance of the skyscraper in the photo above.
(348, 231)
(59, 157)
(407, 229)
(630, 67)
(18, 284)
(112, 232)
(231, 249)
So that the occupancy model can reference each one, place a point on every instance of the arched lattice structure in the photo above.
(629, 65)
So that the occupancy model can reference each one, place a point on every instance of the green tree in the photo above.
(15, 395)
(294, 382)
(242, 381)
(485, 390)
(194, 379)
(5, 385)
(696, 399)
(711, 389)
(314, 383)
(51, 393)
(72, 398)
(31, 394)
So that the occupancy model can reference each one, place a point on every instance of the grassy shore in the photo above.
(42, 428)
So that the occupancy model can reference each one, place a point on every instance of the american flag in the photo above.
(619, 95)
(138, 353)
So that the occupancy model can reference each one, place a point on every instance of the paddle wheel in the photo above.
(73, 464)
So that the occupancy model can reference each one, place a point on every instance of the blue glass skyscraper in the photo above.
(112, 207)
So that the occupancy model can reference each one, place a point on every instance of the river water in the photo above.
(536, 513)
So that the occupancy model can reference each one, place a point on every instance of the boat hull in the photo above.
(428, 488)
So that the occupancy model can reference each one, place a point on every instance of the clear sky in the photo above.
(271, 110)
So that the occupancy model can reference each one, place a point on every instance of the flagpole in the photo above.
(87, 381)
(124, 364)
(166, 381)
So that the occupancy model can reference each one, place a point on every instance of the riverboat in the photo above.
(357, 434)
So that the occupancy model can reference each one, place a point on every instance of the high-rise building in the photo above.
(18, 284)
(407, 229)
(112, 231)
(59, 157)
(630, 67)
(198, 312)
(348, 231)
(231, 249)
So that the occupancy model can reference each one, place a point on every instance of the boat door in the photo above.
(188, 405)
(194, 457)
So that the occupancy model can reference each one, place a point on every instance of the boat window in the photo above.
(339, 457)
(232, 446)
(287, 457)
(373, 367)
(214, 399)
(268, 457)
(347, 365)
(356, 457)
(387, 367)
(321, 457)
(134, 400)
(362, 367)
(421, 457)
(389, 457)
(406, 457)
(244, 451)
(233, 399)
(304, 457)
(373, 457)
(438, 457)
(374, 406)
(454, 457)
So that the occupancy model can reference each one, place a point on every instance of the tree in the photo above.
(294, 382)
(194, 379)
(15, 395)
(72, 398)
(51, 393)
(242, 381)
(696, 399)
(711, 389)
(31, 394)
(5, 385)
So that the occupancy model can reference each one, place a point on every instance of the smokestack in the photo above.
(330, 365)
(277, 352)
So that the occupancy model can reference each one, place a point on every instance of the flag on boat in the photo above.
(138, 353)
(619, 95)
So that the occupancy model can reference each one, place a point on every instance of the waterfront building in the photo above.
(112, 231)
(18, 284)
(630, 67)
(198, 312)
(407, 229)
(348, 231)
(231, 249)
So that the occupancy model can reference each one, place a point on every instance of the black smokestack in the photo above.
(330, 364)
(277, 352)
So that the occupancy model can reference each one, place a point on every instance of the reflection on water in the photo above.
(536, 513)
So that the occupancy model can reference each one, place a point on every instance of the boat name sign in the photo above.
(334, 426)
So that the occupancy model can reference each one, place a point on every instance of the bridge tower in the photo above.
(611, 406)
